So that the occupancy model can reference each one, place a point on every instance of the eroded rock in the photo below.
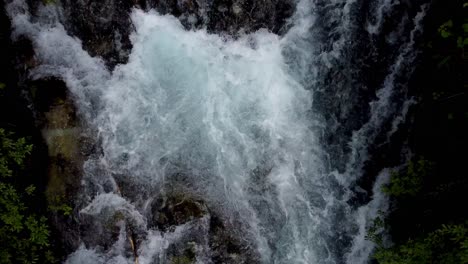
(229, 16)
(206, 235)
(104, 27)
(176, 209)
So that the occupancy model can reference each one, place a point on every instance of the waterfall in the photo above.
(265, 135)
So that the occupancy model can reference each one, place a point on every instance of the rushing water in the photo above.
(233, 123)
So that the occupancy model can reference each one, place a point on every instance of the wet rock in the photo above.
(106, 228)
(206, 234)
(250, 15)
(176, 209)
(188, 255)
(67, 148)
(226, 247)
(229, 16)
(104, 27)
(61, 133)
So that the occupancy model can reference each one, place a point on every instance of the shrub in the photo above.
(448, 245)
(408, 182)
(24, 235)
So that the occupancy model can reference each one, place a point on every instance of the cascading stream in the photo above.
(228, 122)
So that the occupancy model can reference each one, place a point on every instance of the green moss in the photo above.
(181, 260)
(62, 142)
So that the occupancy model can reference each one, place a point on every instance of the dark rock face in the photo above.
(229, 16)
(104, 26)
(202, 227)
(345, 88)
(104, 29)
(56, 117)
(175, 210)
(226, 247)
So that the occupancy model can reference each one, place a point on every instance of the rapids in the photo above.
(268, 133)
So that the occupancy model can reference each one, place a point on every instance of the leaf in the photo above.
(24, 236)
(30, 189)
(444, 29)
(448, 24)
(444, 61)
(445, 34)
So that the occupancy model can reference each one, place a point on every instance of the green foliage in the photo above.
(453, 38)
(374, 233)
(419, 192)
(445, 29)
(462, 42)
(448, 245)
(457, 32)
(24, 236)
(409, 182)
(12, 153)
(57, 204)
(30, 189)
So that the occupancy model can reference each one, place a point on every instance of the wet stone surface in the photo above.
(104, 27)
(175, 210)
(205, 235)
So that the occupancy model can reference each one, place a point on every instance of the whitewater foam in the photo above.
(229, 119)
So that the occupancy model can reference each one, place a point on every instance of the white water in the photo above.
(220, 112)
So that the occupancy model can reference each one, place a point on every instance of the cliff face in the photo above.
(435, 128)
(43, 110)
(105, 26)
